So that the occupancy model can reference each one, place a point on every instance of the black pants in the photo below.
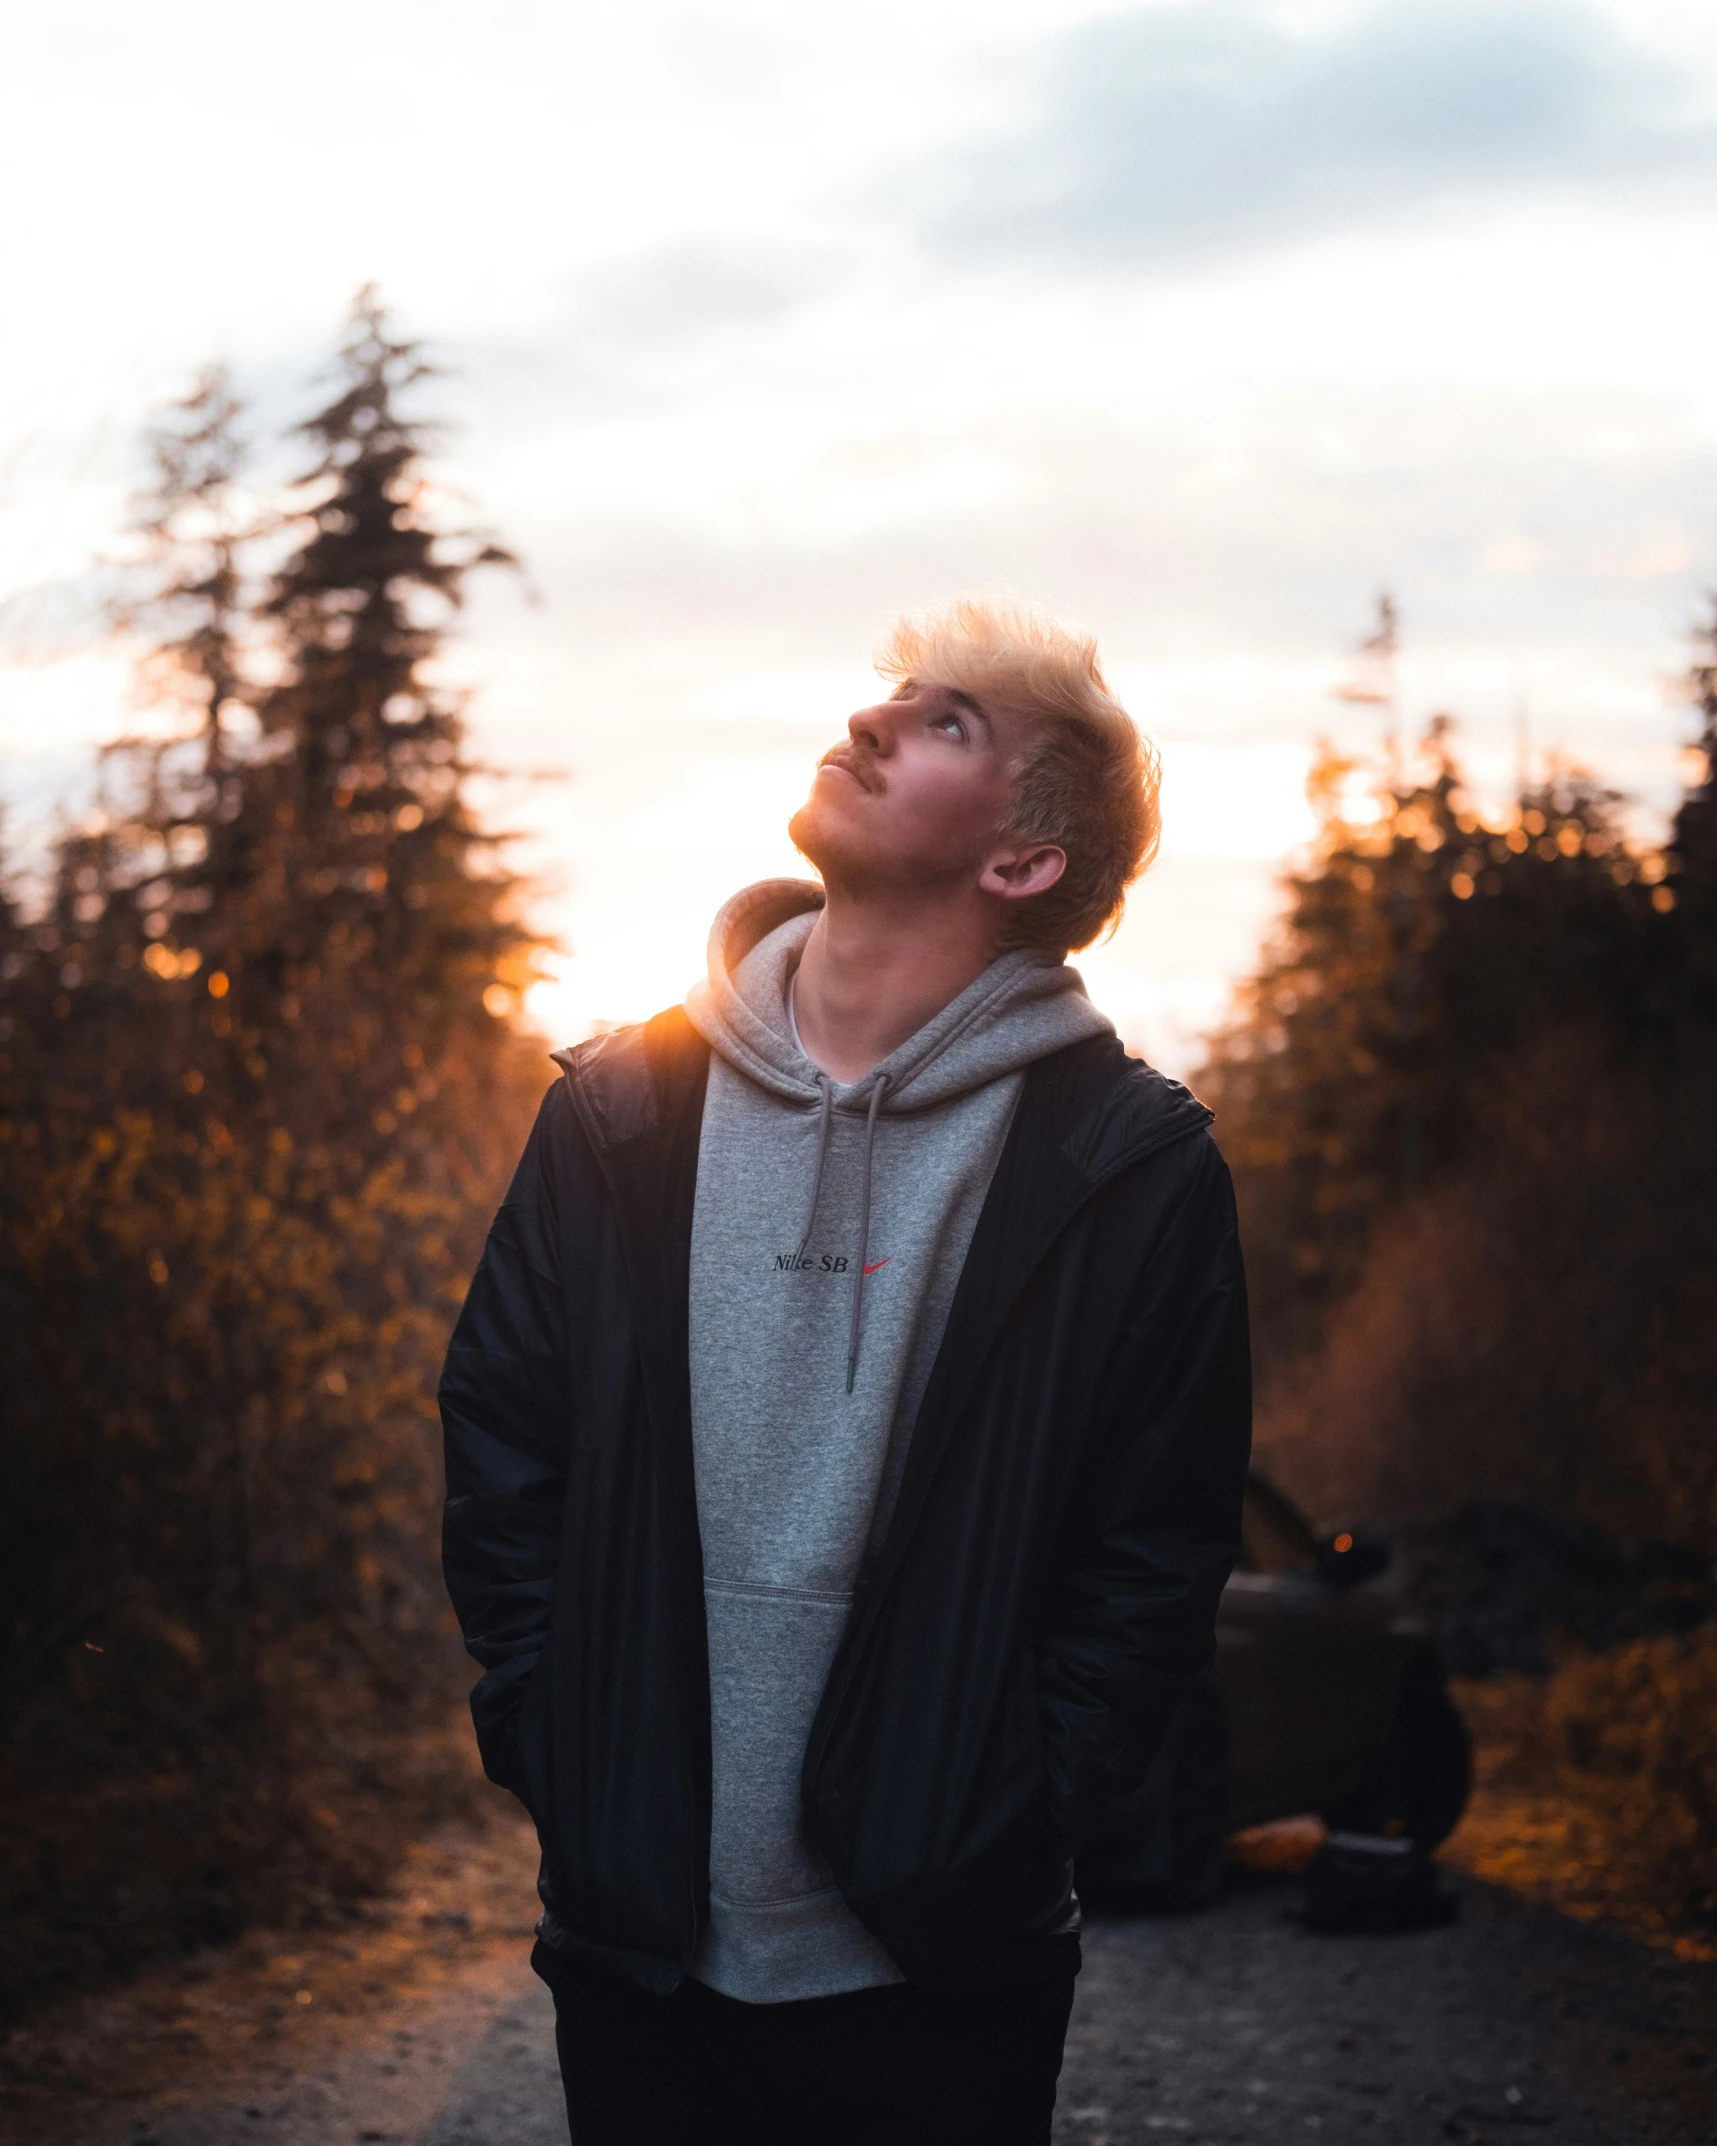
(879, 2067)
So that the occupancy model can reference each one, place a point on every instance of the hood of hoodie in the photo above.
(1024, 1005)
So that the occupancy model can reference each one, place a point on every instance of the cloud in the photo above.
(628, 331)
(1257, 536)
(1203, 129)
(671, 293)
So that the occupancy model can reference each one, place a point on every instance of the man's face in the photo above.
(917, 796)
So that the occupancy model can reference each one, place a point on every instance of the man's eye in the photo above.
(950, 722)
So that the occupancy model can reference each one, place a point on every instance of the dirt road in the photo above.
(1239, 2025)
(1235, 2025)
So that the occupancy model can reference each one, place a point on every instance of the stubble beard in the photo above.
(856, 869)
(818, 844)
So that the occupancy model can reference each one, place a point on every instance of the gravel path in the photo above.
(1240, 2025)
(1234, 2025)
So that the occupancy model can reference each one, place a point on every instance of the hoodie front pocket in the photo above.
(769, 1656)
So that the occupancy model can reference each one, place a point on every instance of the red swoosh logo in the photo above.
(877, 1265)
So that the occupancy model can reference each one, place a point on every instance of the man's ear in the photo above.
(1030, 868)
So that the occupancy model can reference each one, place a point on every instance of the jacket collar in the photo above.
(1089, 1104)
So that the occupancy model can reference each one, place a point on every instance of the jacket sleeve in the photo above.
(504, 1419)
(1154, 1523)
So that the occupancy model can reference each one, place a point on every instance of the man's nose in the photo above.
(871, 730)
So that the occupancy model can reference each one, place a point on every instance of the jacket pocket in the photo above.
(1007, 1866)
(981, 1873)
(531, 1740)
(1023, 1784)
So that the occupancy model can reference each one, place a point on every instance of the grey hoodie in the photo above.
(830, 1227)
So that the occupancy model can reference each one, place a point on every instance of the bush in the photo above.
(1636, 1730)
(1540, 1325)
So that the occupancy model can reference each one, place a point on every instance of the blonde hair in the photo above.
(1085, 779)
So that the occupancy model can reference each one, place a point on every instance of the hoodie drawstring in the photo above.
(825, 1124)
(864, 1222)
(826, 1087)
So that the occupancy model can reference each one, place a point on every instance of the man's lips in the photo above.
(845, 763)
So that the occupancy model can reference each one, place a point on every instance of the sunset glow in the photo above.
(760, 327)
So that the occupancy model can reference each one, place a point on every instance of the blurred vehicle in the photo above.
(1327, 1696)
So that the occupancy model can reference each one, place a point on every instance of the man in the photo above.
(845, 1437)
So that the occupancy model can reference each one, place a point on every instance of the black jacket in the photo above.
(1044, 1596)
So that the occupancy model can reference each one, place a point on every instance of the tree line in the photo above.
(1470, 1100)
(259, 1092)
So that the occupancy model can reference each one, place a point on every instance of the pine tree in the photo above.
(192, 519)
(392, 882)
(366, 991)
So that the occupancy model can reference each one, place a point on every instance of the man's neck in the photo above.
(874, 971)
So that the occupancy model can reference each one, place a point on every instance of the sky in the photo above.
(1202, 321)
